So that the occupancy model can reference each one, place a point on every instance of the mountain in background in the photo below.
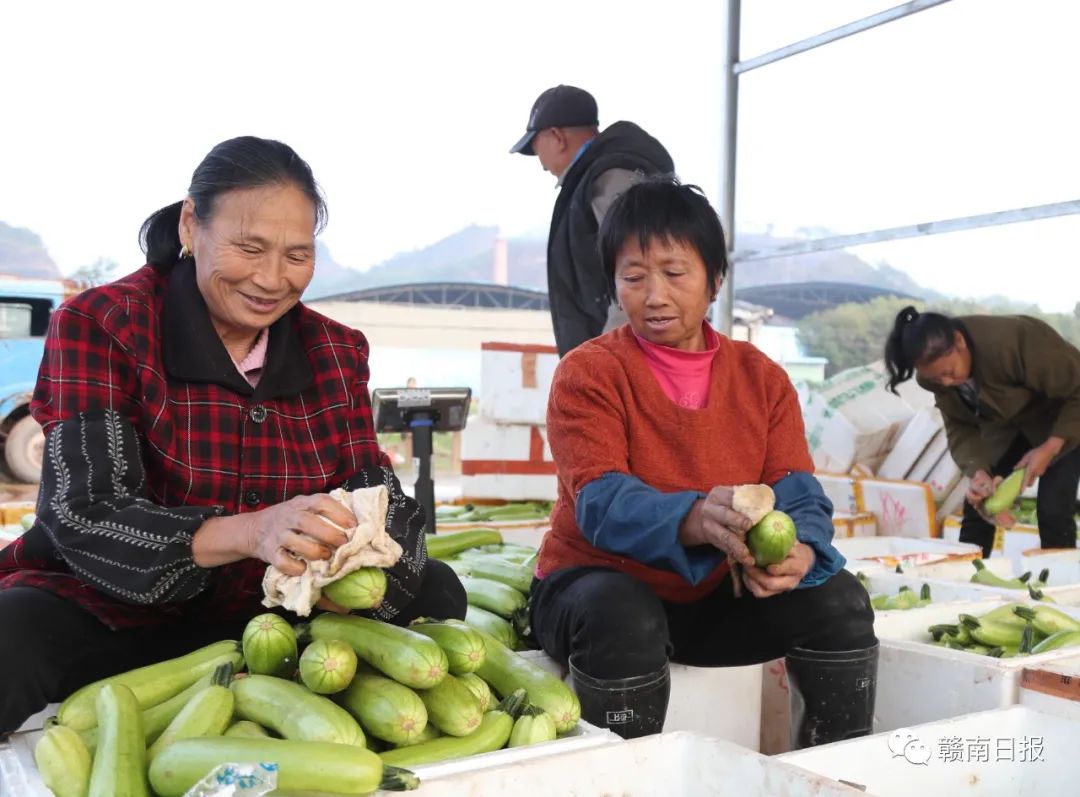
(23, 254)
(468, 256)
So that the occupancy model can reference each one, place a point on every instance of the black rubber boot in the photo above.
(832, 694)
(629, 707)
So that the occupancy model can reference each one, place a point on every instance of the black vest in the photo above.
(577, 289)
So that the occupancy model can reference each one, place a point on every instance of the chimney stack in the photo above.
(500, 272)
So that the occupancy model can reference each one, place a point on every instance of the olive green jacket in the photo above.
(1029, 383)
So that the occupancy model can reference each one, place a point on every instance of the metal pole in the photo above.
(724, 308)
(996, 218)
(858, 26)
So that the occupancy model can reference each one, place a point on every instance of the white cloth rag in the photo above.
(368, 545)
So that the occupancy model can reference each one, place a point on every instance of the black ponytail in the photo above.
(245, 162)
(917, 337)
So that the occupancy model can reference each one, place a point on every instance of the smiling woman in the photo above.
(196, 415)
(253, 259)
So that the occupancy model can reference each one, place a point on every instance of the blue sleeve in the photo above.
(622, 515)
(800, 496)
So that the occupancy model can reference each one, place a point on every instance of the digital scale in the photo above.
(422, 412)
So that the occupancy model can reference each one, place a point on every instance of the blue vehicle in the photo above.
(25, 308)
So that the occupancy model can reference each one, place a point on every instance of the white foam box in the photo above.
(961, 589)
(9, 533)
(922, 682)
(840, 490)
(665, 765)
(943, 478)
(912, 442)
(487, 440)
(862, 524)
(510, 487)
(1028, 752)
(508, 461)
(851, 418)
(902, 508)
(1063, 563)
(1018, 540)
(696, 695)
(19, 776)
(1053, 688)
(914, 395)
(953, 503)
(928, 460)
(883, 552)
(515, 380)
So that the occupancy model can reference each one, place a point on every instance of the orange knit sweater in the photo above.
(607, 413)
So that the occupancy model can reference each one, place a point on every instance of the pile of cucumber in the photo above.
(513, 511)
(497, 577)
(1024, 581)
(1015, 629)
(905, 598)
(340, 704)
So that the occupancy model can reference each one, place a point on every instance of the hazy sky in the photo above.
(406, 112)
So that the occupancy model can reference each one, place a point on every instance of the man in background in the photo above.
(592, 168)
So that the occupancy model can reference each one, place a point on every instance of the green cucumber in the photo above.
(463, 646)
(361, 589)
(479, 687)
(63, 762)
(534, 726)
(1062, 639)
(493, 734)
(247, 729)
(506, 671)
(156, 718)
(119, 768)
(430, 732)
(409, 658)
(386, 709)
(452, 707)
(327, 666)
(207, 714)
(152, 684)
(270, 646)
(512, 575)
(489, 623)
(301, 766)
(1006, 493)
(293, 712)
(493, 596)
(1047, 619)
(442, 546)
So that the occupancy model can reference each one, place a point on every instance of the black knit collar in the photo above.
(193, 351)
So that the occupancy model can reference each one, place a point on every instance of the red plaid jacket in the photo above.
(150, 430)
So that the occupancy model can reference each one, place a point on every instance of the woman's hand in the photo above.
(712, 521)
(1038, 459)
(980, 487)
(295, 528)
(781, 577)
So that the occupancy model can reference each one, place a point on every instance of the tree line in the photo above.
(853, 334)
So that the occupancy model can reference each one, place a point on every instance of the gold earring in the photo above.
(184, 251)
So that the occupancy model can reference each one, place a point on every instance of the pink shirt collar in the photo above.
(683, 375)
(251, 366)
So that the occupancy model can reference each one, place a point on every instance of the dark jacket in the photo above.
(1028, 379)
(577, 290)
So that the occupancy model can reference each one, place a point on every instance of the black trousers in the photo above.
(51, 646)
(616, 627)
(1055, 503)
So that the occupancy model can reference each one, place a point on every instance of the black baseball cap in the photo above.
(561, 106)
